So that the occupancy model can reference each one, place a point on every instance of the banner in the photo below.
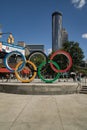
(11, 47)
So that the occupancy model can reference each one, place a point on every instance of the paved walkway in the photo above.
(43, 112)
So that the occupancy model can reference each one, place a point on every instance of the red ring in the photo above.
(64, 53)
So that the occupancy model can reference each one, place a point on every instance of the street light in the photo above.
(4, 33)
(10, 37)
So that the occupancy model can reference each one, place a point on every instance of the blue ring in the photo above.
(10, 54)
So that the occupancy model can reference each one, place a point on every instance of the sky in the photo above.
(31, 20)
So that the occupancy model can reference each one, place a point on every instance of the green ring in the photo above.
(39, 71)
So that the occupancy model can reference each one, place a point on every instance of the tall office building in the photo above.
(64, 36)
(56, 31)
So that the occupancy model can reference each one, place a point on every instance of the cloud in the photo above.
(84, 35)
(79, 3)
(49, 50)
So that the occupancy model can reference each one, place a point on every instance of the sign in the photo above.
(12, 47)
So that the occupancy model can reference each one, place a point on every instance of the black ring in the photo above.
(36, 52)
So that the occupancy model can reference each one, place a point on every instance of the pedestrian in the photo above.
(7, 77)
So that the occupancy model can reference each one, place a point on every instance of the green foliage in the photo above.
(75, 52)
(37, 59)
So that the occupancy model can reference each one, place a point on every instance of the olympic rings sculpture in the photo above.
(16, 53)
(63, 53)
(36, 64)
(30, 78)
(48, 80)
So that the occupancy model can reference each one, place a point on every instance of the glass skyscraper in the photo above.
(56, 31)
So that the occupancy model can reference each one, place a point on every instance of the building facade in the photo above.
(35, 47)
(56, 31)
(64, 36)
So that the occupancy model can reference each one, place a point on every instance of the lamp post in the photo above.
(85, 68)
(10, 37)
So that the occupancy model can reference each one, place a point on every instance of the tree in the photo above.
(76, 53)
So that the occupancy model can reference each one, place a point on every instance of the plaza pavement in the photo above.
(43, 112)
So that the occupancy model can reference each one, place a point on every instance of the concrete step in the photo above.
(83, 90)
(84, 86)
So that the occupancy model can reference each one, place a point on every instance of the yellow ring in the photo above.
(18, 76)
